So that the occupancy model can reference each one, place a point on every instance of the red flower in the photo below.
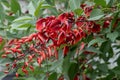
(80, 21)
(69, 17)
(76, 77)
(32, 68)
(83, 6)
(16, 74)
(88, 10)
(61, 38)
(43, 22)
(106, 24)
(1, 39)
(96, 28)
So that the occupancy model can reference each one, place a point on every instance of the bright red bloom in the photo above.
(76, 77)
(32, 68)
(67, 17)
(81, 21)
(96, 28)
(106, 24)
(1, 39)
(88, 10)
(16, 74)
(61, 38)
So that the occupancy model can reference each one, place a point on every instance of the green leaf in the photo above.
(31, 8)
(2, 13)
(97, 40)
(65, 66)
(6, 3)
(118, 61)
(111, 3)
(74, 4)
(115, 15)
(78, 11)
(106, 48)
(1, 75)
(22, 19)
(96, 14)
(30, 78)
(93, 49)
(116, 70)
(53, 76)
(112, 36)
(38, 9)
(66, 63)
(51, 2)
(107, 1)
(2, 45)
(73, 70)
(15, 7)
(44, 6)
(103, 67)
(100, 2)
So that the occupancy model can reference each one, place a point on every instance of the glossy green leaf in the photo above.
(66, 62)
(107, 1)
(103, 67)
(51, 2)
(97, 40)
(2, 45)
(118, 61)
(74, 4)
(30, 78)
(53, 76)
(96, 14)
(93, 49)
(6, 3)
(38, 9)
(106, 48)
(73, 70)
(100, 2)
(112, 36)
(116, 14)
(78, 11)
(2, 12)
(15, 6)
(22, 19)
(31, 8)
(116, 70)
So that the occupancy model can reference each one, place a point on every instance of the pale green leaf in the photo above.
(96, 14)
(74, 4)
(97, 40)
(15, 6)
(112, 36)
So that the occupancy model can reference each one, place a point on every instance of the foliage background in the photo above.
(16, 23)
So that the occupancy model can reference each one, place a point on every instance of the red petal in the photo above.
(40, 24)
(61, 38)
(65, 50)
(6, 72)
(49, 52)
(41, 37)
(82, 46)
(16, 74)
(96, 28)
(76, 77)
(32, 68)
(4, 56)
